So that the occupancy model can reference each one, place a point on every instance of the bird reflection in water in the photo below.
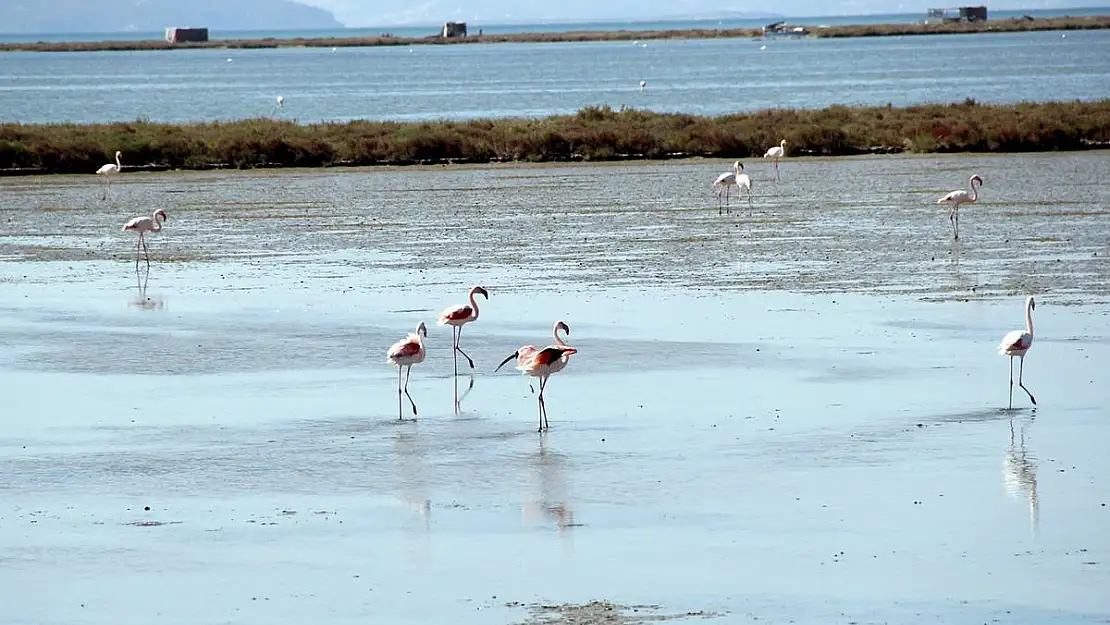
(412, 469)
(142, 300)
(459, 398)
(549, 502)
(1020, 473)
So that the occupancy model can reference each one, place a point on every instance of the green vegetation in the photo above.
(591, 134)
(1011, 25)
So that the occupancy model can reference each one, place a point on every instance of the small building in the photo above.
(453, 29)
(186, 35)
(958, 14)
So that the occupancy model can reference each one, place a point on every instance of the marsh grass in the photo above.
(591, 134)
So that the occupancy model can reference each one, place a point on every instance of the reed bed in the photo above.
(591, 134)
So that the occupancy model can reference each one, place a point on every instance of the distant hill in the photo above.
(96, 16)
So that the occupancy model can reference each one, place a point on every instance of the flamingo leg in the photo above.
(1011, 404)
(1021, 369)
(459, 349)
(957, 222)
(138, 247)
(455, 348)
(749, 201)
(399, 412)
(408, 372)
(719, 209)
(728, 209)
(544, 425)
(146, 251)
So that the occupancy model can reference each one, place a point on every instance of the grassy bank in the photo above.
(1012, 25)
(591, 134)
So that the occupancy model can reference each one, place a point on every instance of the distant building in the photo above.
(183, 35)
(453, 29)
(959, 14)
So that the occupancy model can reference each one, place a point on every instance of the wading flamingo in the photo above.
(1015, 344)
(278, 103)
(406, 353)
(543, 364)
(457, 317)
(142, 225)
(961, 196)
(643, 83)
(727, 180)
(107, 171)
(775, 154)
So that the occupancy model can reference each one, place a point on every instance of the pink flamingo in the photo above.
(142, 225)
(543, 364)
(1015, 344)
(457, 317)
(775, 154)
(730, 179)
(406, 353)
(961, 196)
(107, 171)
(525, 352)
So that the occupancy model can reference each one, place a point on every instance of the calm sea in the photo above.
(497, 80)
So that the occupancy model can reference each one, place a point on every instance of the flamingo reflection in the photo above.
(1020, 475)
(549, 502)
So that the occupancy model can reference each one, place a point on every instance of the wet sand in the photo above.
(794, 416)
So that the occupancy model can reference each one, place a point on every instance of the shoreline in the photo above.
(871, 30)
(591, 134)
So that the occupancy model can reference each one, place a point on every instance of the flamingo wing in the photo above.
(725, 179)
(110, 168)
(549, 355)
(139, 223)
(744, 181)
(405, 348)
(1015, 341)
(955, 196)
(455, 314)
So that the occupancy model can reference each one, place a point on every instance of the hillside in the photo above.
(90, 16)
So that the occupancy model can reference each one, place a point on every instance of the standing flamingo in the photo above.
(961, 196)
(278, 103)
(142, 225)
(543, 364)
(1016, 343)
(457, 317)
(107, 171)
(775, 154)
(406, 353)
(643, 84)
(727, 180)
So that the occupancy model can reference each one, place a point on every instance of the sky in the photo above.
(359, 13)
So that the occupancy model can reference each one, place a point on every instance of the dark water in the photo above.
(466, 81)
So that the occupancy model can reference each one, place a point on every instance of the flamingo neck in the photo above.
(974, 190)
(157, 223)
(1029, 319)
(558, 340)
(118, 164)
(474, 306)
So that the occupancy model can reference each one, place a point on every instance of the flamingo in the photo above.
(142, 225)
(406, 353)
(728, 179)
(108, 171)
(543, 364)
(961, 196)
(278, 103)
(643, 84)
(527, 351)
(1015, 344)
(457, 317)
(775, 154)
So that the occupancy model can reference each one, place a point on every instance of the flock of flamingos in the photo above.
(546, 362)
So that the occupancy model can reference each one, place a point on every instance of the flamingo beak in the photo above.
(511, 357)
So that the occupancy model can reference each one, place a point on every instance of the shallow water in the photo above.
(699, 76)
(794, 447)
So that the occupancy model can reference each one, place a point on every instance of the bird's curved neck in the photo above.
(473, 305)
(1029, 318)
(974, 190)
(157, 222)
(118, 164)
(558, 339)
